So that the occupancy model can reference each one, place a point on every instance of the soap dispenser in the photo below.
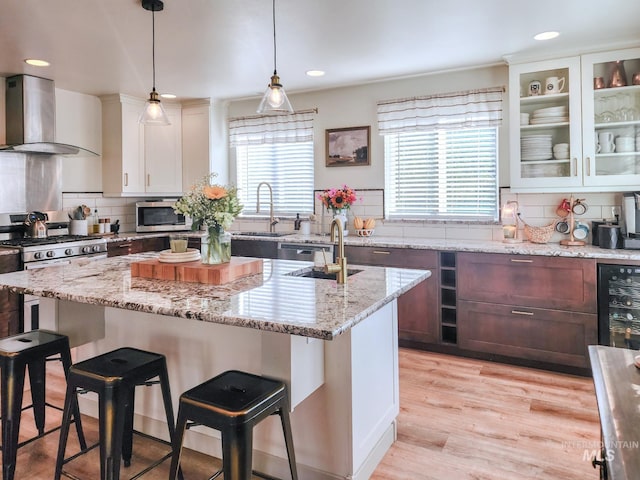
(297, 222)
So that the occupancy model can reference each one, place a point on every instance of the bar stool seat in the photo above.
(114, 377)
(30, 349)
(233, 403)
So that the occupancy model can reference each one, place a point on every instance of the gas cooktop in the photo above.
(30, 242)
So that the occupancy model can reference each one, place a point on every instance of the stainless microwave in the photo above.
(159, 216)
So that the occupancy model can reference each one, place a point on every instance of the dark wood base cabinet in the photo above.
(418, 321)
(551, 336)
(10, 303)
(116, 248)
(534, 308)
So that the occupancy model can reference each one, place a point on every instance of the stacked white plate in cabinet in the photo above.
(535, 147)
(550, 115)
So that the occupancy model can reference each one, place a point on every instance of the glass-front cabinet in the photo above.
(545, 124)
(611, 118)
(575, 123)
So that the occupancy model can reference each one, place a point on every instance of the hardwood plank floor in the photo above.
(459, 419)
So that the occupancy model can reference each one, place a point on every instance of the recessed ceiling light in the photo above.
(546, 35)
(315, 73)
(36, 63)
(167, 95)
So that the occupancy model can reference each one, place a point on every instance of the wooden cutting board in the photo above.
(196, 271)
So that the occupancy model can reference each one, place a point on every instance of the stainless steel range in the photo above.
(47, 252)
(57, 250)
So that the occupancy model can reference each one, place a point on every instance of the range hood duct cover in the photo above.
(31, 118)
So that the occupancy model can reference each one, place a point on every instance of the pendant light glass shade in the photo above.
(275, 99)
(153, 113)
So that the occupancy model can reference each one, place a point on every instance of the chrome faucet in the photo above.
(272, 219)
(340, 267)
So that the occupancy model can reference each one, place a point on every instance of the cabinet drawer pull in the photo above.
(381, 252)
(126, 179)
(124, 245)
(148, 179)
(520, 312)
(517, 260)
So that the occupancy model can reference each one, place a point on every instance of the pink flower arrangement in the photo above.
(338, 198)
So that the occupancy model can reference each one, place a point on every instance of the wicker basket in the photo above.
(538, 234)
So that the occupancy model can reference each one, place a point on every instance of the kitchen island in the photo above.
(334, 345)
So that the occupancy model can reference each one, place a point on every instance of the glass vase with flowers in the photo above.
(214, 208)
(338, 201)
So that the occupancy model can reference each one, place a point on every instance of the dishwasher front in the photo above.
(305, 251)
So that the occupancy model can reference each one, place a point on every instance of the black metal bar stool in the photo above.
(114, 377)
(233, 403)
(30, 349)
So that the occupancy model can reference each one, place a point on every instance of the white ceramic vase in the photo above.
(342, 215)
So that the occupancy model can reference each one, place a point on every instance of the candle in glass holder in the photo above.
(509, 231)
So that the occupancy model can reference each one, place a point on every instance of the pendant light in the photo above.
(275, 99)
(153, 113)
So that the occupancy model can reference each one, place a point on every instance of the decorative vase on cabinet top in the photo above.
(618, 75)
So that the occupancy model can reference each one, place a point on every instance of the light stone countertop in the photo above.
(478, 246)
(272, 301)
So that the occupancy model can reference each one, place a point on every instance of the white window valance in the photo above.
(261, 129)
(471, 109)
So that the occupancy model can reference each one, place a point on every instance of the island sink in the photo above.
(313, 273)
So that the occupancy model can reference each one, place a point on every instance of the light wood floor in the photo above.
(459, 419)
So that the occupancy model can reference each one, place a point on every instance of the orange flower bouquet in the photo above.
(214, 207)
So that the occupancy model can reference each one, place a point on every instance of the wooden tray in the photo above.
(196, 271)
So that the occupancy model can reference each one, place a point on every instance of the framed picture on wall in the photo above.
(348, 147)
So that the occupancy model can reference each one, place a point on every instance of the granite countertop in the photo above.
(479, 246)
(272, 301)
(617, 384)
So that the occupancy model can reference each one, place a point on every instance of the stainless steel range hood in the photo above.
(31, 118)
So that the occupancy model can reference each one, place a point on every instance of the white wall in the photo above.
(357, 105)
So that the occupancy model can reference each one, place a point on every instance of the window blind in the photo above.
(444, 174)
(277, 149)
(441, 155)
(288, 167)
(470, 109)
(260, 129)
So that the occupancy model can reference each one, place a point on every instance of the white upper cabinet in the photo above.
(611, 118)
(599, 126)
(542, 118)
(163, 154)
(139, 160)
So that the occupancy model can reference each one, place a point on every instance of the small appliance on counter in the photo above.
(159, 216)
(631, 218)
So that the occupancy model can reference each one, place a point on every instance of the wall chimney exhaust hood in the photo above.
(31, 118)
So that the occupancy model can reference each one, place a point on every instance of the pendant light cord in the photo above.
(153, 44)
(274, 38)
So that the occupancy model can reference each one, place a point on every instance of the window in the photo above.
(288, 167)
(443, 174)
(441, 155)
(277, 149)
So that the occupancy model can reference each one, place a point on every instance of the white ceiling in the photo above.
(224, 49)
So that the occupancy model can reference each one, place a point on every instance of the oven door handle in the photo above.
(45, 265)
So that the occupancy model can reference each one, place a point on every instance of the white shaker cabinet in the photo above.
(163, 154)
(615, 110)
(139, 160)
(196, 141)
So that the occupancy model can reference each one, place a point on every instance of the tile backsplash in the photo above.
(536, 209)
